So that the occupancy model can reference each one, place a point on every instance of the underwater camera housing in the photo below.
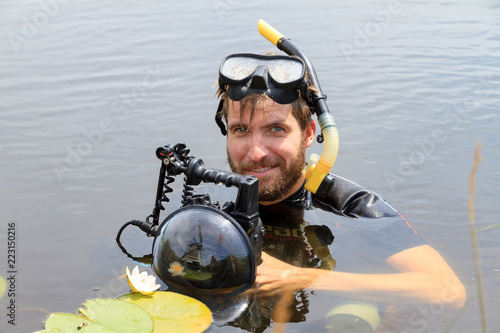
(202, 248)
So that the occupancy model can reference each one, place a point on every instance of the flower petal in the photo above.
(141, 282)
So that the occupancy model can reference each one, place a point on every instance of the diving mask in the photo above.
(277, 76)
(280, 77)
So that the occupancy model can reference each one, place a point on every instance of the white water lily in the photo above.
(176, 269)
(141, 282)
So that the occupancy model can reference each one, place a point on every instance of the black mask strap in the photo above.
(218, 118)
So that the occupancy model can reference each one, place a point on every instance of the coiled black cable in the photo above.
(166, 189)
(149, 228)
(187, 193)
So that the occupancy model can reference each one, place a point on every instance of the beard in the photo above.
(270, 190)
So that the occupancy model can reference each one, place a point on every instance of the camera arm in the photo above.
(246, 207)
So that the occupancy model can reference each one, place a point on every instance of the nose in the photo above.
(257, 149)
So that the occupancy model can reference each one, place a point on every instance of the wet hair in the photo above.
(300, 109)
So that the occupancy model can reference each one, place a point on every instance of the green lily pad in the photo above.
(66, 322)
(3, 286)
(50, 330)
(103, 315)
(173, 312)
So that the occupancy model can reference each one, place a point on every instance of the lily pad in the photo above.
(66, 322)
(3, 286)
(103, 315)
(173, 312)
(50, 330)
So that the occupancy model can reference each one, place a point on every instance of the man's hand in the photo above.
(422, 276)
(275, 277)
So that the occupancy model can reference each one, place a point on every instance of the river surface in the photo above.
(89, 90)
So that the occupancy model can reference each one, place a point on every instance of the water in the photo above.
(88, 91)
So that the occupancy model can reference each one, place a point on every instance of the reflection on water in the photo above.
(92, 89)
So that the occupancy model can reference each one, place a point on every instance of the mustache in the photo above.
(265, 163)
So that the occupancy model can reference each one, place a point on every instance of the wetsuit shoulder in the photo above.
(347, 198)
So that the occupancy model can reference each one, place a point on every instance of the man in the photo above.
(267, 138)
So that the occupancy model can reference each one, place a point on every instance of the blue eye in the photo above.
(277, 129)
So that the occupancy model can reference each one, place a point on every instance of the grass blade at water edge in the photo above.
(475, 246)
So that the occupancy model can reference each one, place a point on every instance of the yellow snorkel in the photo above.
(317, 168)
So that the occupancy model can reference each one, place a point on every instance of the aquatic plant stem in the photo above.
(450, 325)
(475, 246)
(491, 226)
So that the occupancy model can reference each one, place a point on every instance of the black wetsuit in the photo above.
(372, 232)
(350, 229)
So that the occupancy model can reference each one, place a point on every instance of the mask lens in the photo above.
(285, 71)
(238, 68)
(282, 71)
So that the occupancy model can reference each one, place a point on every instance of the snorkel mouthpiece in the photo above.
(269, 32)
(317, 169)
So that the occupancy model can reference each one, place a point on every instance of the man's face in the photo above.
(271, 147)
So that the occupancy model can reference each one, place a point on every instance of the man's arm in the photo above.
(424, 277)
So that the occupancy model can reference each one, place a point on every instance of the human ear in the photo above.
(309, 133)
